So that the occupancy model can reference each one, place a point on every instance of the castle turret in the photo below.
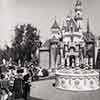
(55, 30)
(78, 14)
(55, 27)
(54, 40)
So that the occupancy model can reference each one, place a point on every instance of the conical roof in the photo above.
(55, 25)
(78, 3)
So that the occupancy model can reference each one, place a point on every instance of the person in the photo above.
(4, 83)
(18, 86)
(27, 86)
(30, 72)
(45, 72)
(35, 72)
(4, 95)
(4, 86)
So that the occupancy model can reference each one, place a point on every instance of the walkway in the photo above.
(43, 90)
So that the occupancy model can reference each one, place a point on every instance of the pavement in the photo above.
(43, 90)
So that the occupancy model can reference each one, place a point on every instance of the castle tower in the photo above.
(54, 40)
(78, 14)
(55, 29)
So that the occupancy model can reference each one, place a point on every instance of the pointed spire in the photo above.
(55, 17)
(78, 10)
(78, 6)
(88, 26)
(55, 25)
(70, 13)
(78, 3)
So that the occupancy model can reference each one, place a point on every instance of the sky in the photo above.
(41, 13)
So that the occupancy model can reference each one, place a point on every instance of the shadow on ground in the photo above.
(34, 98)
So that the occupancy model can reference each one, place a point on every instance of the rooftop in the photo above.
(55, 25)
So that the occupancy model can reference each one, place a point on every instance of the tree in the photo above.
(25, 43)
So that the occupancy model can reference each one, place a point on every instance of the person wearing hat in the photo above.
(27, 81)
(18, 85)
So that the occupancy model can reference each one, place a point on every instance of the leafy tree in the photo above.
(25, 43)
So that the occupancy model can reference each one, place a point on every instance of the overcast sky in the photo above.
(41, 13)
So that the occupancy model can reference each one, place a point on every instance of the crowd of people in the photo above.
(15, 81)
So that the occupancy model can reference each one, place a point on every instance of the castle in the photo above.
(70, 45)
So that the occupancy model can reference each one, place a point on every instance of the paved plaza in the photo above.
(43, 90)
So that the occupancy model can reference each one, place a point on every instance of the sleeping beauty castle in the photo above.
(72, 53)
(70, 45)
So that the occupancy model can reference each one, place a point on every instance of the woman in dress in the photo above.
(18, 86)
(27, 81)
